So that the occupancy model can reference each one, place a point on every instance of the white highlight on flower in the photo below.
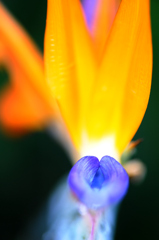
(105, 146)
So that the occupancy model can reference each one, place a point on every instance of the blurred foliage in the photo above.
(32, 164)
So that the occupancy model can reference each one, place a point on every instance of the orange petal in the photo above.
(2, 52)
(25, 96)
(69, 61)
(25, 53)
(85, 58)
(137, 88)
(20, 106)
(20, 111)
(123, 87)
(59, 61)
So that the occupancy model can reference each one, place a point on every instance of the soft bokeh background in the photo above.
(30, 166)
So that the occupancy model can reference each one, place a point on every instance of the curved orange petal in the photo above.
(24, 52)
(123, 87)
(137, 88)
(19, 111)
(20, 106)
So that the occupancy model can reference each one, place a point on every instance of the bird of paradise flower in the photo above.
(101, 94)
(98, 68)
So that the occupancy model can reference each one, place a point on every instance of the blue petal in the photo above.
(89, 7)
(98, 184)
(98, 179)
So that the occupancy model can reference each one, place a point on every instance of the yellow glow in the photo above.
(105, 146)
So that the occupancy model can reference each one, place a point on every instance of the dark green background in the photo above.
(31, 165)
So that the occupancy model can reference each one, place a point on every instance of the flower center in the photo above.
(98, 179)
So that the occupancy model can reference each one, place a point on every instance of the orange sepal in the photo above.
(69, 62)
(59, 62)
(84, 57)
(25, 54)
(122, 91)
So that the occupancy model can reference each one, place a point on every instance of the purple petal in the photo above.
(116, 179)
(82, 174)
(89, 7)
(98, 184)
